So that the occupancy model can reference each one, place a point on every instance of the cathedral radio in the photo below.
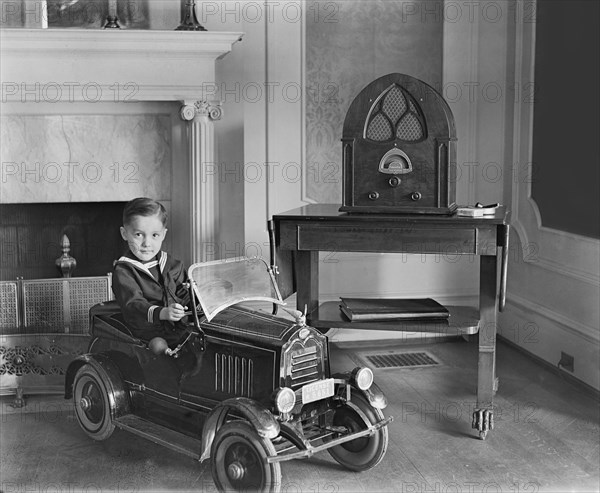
(399, 149)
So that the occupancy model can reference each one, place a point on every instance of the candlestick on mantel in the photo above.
(112, 19)
(190, 20)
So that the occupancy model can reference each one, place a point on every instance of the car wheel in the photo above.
(239, 460)
(92, 407)
(365, 452)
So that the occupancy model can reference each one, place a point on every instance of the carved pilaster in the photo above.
(204, 180)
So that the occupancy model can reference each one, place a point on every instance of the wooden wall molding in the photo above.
(565, 253)
(587, 332)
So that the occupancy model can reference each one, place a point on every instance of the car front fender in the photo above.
(109, 372)
(256, 414)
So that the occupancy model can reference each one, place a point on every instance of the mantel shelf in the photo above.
(112, 65)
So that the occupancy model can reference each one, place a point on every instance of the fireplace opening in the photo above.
(31, 236)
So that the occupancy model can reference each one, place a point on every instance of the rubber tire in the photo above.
(364, 452)
(96, 422)
(238, 440)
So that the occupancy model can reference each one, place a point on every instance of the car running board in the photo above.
(159, 434)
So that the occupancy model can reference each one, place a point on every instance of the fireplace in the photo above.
(91, 119)
(152, 85)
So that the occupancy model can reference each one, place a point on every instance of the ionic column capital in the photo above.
(202, 108)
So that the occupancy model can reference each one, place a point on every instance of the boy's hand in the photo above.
(174, 312)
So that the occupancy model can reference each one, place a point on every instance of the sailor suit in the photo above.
(142, 289)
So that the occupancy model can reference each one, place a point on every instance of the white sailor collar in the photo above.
(146, 266)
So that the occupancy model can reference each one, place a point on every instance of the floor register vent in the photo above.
(401, 360)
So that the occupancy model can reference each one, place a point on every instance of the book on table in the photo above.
(374, 309)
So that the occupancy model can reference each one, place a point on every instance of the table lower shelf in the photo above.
(463, 320)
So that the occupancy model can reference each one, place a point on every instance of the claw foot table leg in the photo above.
(483, 421)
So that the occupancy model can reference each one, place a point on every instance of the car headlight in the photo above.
(363, 377)
(285, 400)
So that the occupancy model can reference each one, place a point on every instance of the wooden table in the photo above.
(300, 234)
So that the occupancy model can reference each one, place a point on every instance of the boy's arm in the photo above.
(136, 308)
(182, 291)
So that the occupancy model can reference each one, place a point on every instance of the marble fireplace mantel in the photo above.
(62, 61)
(124, 66)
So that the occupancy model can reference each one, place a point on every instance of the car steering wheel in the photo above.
(158, 345)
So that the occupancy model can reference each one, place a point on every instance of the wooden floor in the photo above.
(546, 438)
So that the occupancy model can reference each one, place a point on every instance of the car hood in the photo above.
(250, 325)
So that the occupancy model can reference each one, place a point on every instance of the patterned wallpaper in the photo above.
(348, 45)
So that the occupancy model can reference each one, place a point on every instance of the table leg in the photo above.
(483, 416)
(307, 280)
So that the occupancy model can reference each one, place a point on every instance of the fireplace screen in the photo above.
(9, 314)
(44, 324)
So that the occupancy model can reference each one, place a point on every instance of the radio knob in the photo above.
(416, 196)
(373, 195)
(394, 181)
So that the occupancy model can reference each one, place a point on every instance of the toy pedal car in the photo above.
(244, 388)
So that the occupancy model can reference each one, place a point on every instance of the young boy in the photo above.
(148, 284)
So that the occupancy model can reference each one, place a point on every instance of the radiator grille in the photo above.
(305, 366)
(234, 375)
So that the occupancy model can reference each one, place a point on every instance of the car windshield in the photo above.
(223, 283)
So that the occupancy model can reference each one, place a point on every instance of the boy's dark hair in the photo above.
(143, 206)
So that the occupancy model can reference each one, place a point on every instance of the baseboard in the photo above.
(573, 380)
(548, 337)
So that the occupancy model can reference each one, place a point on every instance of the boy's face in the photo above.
(144, 235)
